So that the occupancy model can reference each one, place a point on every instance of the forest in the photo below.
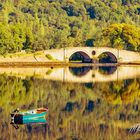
(33, 25)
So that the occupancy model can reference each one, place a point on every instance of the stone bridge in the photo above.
(94, 53)
(86, 55)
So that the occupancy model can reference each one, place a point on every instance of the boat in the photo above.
(34, 116)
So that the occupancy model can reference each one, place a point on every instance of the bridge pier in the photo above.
(94, 61)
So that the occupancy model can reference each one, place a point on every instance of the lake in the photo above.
(85, 103)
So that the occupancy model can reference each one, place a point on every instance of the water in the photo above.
(85, 103)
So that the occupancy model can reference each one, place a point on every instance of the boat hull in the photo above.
(31, 116)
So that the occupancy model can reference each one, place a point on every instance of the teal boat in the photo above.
(38, 116)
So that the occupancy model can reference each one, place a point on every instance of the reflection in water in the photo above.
(80, 71)
(70, 106)
(89, 108)
(86, 74)
(107, 69)
(99, 110)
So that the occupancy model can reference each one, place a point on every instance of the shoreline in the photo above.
(60, 64)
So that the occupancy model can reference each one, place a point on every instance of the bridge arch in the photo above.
(80, 56)
(107, 57)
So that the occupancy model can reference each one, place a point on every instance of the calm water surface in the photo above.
(85, 103)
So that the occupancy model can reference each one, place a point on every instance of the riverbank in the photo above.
(59, 64)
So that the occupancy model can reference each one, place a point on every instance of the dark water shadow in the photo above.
(107, 70)
(79, 71)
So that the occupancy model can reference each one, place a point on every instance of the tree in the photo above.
(19, 36)
(123, 36)
(6, 40)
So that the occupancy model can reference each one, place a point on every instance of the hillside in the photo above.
(33, 25)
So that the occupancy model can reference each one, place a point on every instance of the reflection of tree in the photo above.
(75, 108)
(14, 92)
(119, 92)
(131, 92)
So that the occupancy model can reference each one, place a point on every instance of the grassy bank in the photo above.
(59, 64)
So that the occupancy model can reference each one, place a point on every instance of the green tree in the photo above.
(6, 39)
(123, 36)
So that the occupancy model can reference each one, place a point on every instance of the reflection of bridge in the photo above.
(67, 75)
